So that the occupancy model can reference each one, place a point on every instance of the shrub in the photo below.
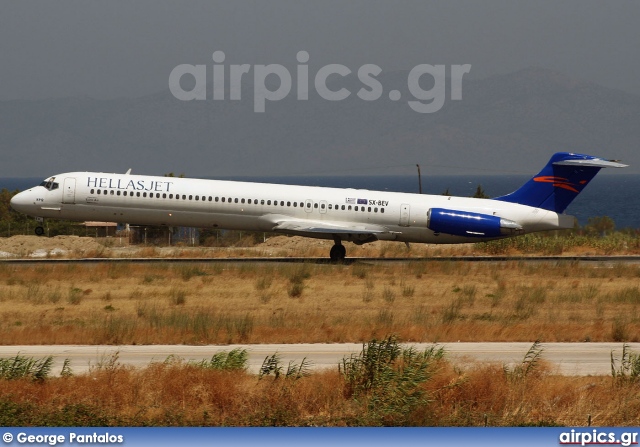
(19, 367)
(234, 360)
(387, 379)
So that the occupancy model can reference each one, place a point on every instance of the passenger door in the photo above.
(69, 190)
(405, 214)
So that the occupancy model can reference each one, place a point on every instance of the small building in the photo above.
(100, 229)
(164, 235)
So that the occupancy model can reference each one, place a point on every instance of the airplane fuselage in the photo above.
(355, 215)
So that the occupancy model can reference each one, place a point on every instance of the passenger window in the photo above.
(322, 206)
(118, 193)
(268, 202)
(197, 197)
(144, 194)
(295, 204)
(235, 200)
(91, 192)
(308, 205)
(262, 202)
(216, 199)
(342, 207)
(210, 199)
(356, 208)
(369, 209)
(382, 210)
(184, 197)
(171, 196)
(138, 194)
(375, 210)
(350, 208)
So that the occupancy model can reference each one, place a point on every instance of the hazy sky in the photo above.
(116, 48)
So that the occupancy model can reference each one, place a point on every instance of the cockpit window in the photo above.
(50, 184)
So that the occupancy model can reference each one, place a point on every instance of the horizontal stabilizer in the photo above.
(595, 163)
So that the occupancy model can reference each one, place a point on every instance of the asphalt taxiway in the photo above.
(564, 358)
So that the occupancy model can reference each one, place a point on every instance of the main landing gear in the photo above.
(338, 251)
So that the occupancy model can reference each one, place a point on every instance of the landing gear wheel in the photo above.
(338, 253)
(39, 231)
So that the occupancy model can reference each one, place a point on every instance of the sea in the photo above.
(616, 196)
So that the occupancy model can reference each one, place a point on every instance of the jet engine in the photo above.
(468, 224)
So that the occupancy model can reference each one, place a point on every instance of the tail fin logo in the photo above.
(558, 182)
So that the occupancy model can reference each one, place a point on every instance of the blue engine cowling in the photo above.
(468, 224)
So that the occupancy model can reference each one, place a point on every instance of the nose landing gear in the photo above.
(39, 229)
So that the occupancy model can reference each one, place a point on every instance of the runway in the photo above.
(565, 358)
(596, 261)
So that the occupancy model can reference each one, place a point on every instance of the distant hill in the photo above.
(505, 123)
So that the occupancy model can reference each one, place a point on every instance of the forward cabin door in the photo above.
(69, 194)
(405, 212)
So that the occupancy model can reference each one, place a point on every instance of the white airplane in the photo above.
(355, 215)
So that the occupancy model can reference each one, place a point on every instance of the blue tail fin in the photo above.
(559, 182)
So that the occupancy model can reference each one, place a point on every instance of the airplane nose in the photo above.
(20, 202)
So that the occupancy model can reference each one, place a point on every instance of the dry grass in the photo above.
(177, 394)
(554, 243)
(286, 303)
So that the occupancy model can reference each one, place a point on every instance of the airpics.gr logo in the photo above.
(560, 182)
(227, 83)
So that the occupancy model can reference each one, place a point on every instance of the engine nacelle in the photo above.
(468, 224)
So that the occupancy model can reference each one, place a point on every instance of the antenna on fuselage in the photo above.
(128, 172)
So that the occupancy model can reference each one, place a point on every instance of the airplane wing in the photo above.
(305, 226)
(315, 228)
